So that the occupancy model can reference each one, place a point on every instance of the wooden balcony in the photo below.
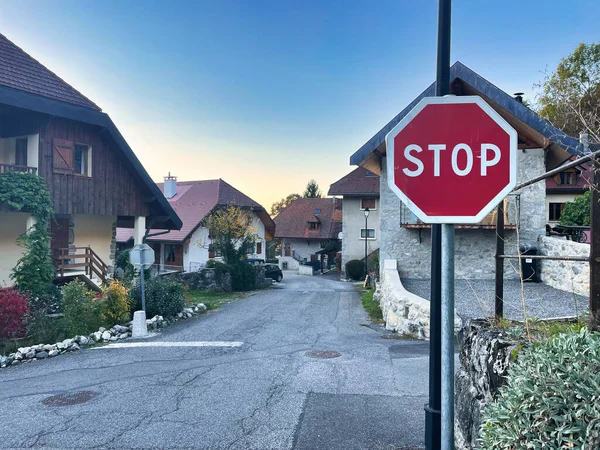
(15, 168)
(74, 259)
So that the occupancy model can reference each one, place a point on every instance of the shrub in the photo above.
(82, 310)
(355, 269)
(117, 303)
(243, 276)
(44, 329)
(163, 298)
(551, 399)
(122, 262)
(13, 312)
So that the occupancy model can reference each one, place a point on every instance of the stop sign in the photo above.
(452, 159)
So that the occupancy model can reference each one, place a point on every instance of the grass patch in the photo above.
(212, 300)
(540, 330)
(372, 308)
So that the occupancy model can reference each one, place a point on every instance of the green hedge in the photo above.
(355, 269)
(163, 298)
(551, 399)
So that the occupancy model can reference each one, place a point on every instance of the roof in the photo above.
(26, 84)
(359, 182)
(292, 222)
(194, 201)
(493, 95)
(20, 71)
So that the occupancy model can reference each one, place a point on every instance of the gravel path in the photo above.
(475, 298)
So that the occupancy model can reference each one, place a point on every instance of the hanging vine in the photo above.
(27, 192)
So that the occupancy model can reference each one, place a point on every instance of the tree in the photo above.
(232, 232)
(577, 212)
(312, 190)
(279, 206)
(570, 97)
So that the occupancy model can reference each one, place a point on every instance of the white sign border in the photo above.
(449, 100)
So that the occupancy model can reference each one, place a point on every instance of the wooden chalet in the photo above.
(97, 183)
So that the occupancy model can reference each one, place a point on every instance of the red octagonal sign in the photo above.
(452, 159)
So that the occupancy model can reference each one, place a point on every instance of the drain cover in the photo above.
(74, 398)
(323, 354)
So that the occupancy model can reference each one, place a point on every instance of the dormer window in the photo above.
(317, 211)
(313, 226)
(567, 178)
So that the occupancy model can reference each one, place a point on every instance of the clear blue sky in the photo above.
(268, 94)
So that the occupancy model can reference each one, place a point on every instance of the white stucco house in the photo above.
(360, 218)
(189, 248)
(309, 229)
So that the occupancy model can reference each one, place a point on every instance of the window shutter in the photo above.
(62, 160)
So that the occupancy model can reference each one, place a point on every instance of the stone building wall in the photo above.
(565, 275)
(475, 249)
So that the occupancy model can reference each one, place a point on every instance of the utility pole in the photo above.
(433, 408)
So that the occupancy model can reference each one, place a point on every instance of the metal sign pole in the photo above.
(142, 261)
(447, 337)
(432, 409)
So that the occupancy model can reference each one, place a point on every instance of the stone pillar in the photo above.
(139, 229)
(30, 223)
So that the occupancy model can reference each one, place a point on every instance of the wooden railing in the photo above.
(15, 168)
(92, 264)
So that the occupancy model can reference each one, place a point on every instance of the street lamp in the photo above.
(366, 237)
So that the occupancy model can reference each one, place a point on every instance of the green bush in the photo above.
(163, 298)
(82, 309)
(44, 329)
(243, 276)
(117, 303)
(551, 399)
(355, 269)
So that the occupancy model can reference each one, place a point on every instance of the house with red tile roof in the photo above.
(50, 130)
(190, 247)
(360, 199)
(309, 230)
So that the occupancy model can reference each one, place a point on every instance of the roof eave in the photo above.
(45, 105)
(364, 155)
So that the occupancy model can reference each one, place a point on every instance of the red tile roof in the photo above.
(20, 71)
(194, 201)
(359, 182)
(292, 222)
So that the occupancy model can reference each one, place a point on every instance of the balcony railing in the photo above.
(67, 259)
(512, 206)
(15, 168)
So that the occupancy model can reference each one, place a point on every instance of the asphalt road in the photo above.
(264, 394)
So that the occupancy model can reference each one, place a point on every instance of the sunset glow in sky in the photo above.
(269, 94)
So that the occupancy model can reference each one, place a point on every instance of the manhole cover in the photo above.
(323, 354)
(74, 398)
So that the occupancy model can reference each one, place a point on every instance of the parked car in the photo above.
(255, 261)
(273, 271)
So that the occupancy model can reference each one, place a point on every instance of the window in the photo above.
(81, 156)
(367, 203)
(566, 177)
(170, 254)
(313, 226)
(555, 211)
(258, 248)
(71, 159)
(21, 152)
(370, 232)
(317, 211)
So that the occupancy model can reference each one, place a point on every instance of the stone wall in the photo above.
(565, 275)
(485, 357)
(475, 249)
(305, 270)
(403, 312)
(203, 280)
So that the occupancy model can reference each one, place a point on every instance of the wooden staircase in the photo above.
(83, 263)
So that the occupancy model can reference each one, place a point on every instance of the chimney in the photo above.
(170, 186)
(519, 96)
(584, 138)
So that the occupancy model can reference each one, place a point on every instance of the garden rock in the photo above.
(97, 335)
(53, 353)
(48, 347)
(106, 335)
(41, 355)
(30, 354)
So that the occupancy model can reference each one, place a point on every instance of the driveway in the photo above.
(260, 389)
